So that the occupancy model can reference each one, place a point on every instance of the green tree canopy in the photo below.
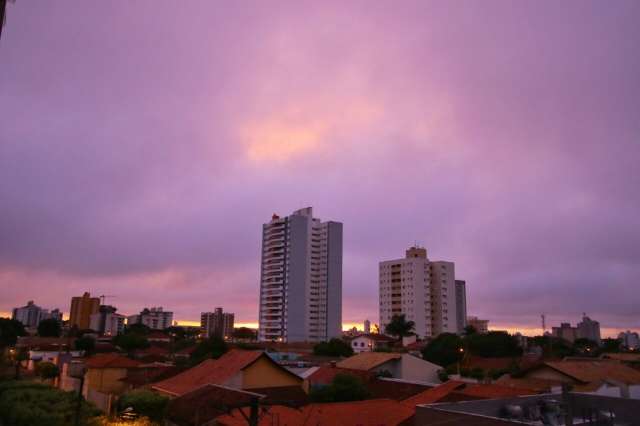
(244, 333)
(34, 404)
(47, 370)
(9, 331)
(444, 350)
(145, 403)
(214, 347)
(85, 343)
(130, 342)
(344, 387)
(49, 328)
(334, 347)
(610, 345)
(496, 344)
(469, 330)
(139, 329)
(554, 347)
(585, 347)
(399, 326)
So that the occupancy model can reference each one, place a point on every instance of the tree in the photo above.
(145, 403)
(130, 342)
(86, 344)
(444, 350)
(610, 345)
(24, 403)
(494, 344)
(399, 326)
(214, 348)
(10, 330)
(343, 387)
(585, 347)
(47, 370)
(139, 329)
(469, 330)
(244, 333)
(553, 347)
(49, 328)
(334, 347)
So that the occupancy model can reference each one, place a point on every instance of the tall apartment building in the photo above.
(31, 314)
(107, 322)
(461, 304)
(629, 340)
(217, 323)
(154, 318)
(422, 290)
(589, 329)
(300, 279)
(81, 310)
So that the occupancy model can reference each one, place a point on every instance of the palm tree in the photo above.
(399, 326)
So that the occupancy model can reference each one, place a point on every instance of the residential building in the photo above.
(586, 329)
(237, 369)
(31, 314)
(370, 342)
(155, 318)
(565, 331)
(396, 365)
(217, 323)
(300, 279)
(423, 290)
(589, 329)
(105, 378)
(367, 326)
(81, 310)
(107, 322)
(481, 325)
(461, 305)
(630, 340)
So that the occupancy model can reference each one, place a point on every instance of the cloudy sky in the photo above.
(143, 144)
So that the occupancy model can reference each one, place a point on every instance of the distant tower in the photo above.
(367, 326)
(544, 325)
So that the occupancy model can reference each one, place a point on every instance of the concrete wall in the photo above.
(263, 373)
(297, 298)
(416, 369)
(105, 380)
(334, 280)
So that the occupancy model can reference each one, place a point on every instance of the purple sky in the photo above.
(142, 144)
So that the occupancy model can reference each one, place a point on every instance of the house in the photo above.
(237, 369)
(370, 342)
(586, 375)
(396, 365)
(205, 404)
(324, 375)
(454, 390)
(105, 377)
(374, 412)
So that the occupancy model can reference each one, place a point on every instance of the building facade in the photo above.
(217, 323)
(300, 279)
(107, 321)
(481, 325)
(423, 290)
(81, 310)
(31, 314)
(154, 318)
(589, 329)
(461, 305)
(629, 340)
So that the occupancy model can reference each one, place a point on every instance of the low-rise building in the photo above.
(105, 378)
(237, 369)
(395, 365)
(370, 342)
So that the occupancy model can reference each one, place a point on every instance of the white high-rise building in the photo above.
(300, 279)
(422, 290)
(154, 318)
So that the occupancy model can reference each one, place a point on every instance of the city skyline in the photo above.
(143, 145)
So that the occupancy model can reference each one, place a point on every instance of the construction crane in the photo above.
(104, 296)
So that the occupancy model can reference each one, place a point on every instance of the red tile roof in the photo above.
(324, 375)
(210, 371)
(368, 360)
(492, 390)
(596, 371)
(374, 412)
(434, 394)
(111, 360)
